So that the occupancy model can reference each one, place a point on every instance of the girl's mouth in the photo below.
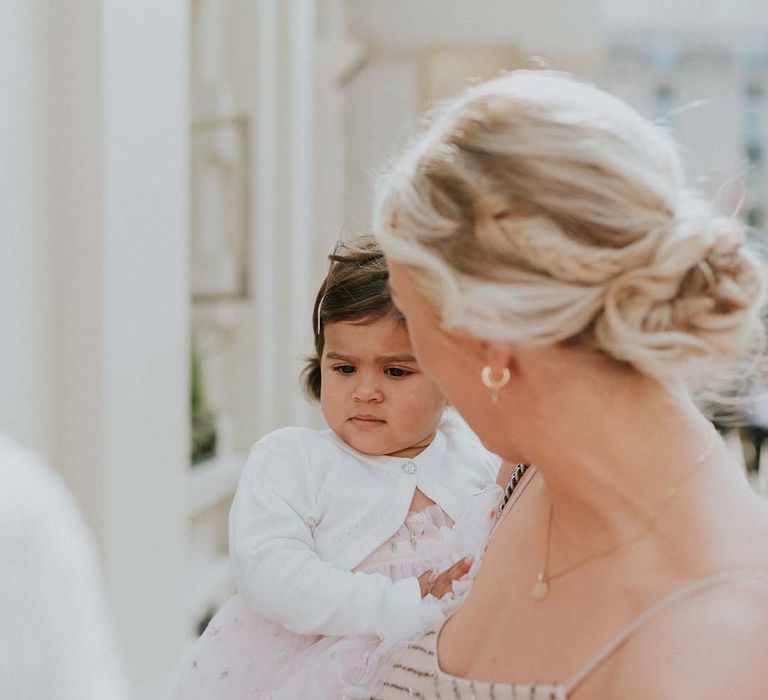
(366, 421)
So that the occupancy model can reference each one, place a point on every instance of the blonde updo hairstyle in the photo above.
(539, 209)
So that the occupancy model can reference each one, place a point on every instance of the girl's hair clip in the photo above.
(319, 317)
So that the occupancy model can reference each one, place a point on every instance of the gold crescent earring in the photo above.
(495, 384)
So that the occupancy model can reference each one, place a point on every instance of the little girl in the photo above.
(336, 535)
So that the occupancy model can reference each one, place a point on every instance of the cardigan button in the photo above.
(410, 468)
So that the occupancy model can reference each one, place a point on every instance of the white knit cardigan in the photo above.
(309, 508)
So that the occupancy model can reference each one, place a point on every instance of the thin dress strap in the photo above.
(623, 636)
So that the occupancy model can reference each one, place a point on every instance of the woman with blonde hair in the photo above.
(566, 291)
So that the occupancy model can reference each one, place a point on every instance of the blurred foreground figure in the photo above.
(55, 643)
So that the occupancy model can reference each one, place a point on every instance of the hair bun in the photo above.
(696, 305)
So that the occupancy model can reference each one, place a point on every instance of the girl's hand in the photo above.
(442, 583)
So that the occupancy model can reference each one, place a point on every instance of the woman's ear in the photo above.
(499, 356)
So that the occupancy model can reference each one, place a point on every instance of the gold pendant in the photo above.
(540, 588)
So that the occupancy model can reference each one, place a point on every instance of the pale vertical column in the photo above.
(266, 250)
(71, 103)
(339, 56)
(25, 343)
(212, 15)
(145, 74)
(304, 226)
(287, 226)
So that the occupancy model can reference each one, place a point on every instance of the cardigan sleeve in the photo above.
(280, 575)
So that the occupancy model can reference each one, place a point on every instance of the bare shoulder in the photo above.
(710, 646)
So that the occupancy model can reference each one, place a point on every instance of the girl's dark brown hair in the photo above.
(355, 289)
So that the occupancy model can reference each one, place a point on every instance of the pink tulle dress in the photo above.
(241, 655)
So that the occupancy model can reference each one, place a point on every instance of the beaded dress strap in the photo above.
(520, 478)
(514, 480)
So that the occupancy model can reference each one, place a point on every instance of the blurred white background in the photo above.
(172, 175)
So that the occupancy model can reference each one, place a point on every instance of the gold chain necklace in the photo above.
(545, 577)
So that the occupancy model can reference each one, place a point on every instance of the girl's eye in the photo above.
(344, 369)
(398, 372)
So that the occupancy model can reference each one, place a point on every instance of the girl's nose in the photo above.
(367, 390)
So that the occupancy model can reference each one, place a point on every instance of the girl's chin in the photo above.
(372, 445)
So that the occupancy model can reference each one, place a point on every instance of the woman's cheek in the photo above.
(430, 355)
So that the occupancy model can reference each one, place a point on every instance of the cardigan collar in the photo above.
(428, 460)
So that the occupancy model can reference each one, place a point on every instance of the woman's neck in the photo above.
(610, 443)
